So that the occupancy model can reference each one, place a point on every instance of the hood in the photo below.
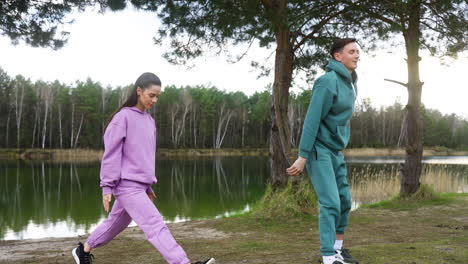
(134, 108)
(340, 69)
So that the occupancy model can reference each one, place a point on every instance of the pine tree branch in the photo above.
(319, 26)
(397, 82)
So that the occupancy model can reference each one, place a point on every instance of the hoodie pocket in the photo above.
(343, 133)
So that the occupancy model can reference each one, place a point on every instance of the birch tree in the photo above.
(178, 119)
(7, 132)
(46, 95)
(37, 111)
(59, 108)
(224, 118)
(72, 117)
(19, 86)
(75, 142)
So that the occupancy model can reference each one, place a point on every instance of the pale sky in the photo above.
(115, 48)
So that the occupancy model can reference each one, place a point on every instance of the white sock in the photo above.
(328, 259)
(338, 244)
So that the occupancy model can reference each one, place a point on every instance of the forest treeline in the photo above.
(55, 115)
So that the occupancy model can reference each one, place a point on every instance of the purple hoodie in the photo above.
(129, 149)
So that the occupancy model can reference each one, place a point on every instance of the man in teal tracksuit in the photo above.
(325, 134)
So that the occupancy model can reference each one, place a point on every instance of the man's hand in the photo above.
(151, 195)
(106, 199)
(298, 167)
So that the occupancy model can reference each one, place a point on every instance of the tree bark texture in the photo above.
(284, 59)
(411, 170)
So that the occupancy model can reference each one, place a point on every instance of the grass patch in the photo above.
(429, 235)
(264, 224)
(252, 246)
(453, 195)
(430, 252)
(425, 196)
(294, 200)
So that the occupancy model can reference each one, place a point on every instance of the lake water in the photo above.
(60, 200)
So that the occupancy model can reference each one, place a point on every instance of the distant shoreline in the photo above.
(90, 155)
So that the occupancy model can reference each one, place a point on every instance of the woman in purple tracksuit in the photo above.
(127, 172)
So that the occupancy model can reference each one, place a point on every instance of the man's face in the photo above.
(349, 56)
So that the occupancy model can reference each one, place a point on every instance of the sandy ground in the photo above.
(22, 250)
(433, 234)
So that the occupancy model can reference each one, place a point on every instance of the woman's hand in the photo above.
(151, 195)
(298, 167)
(106, 199)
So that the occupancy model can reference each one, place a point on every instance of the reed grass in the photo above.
(370, 186)
(296, 199)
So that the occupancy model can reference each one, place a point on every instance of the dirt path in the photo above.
(430, 234)
(26, 251)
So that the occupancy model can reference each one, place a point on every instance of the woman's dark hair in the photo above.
(143, 82)
(339, 44)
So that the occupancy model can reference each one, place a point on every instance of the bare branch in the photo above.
(379, 16)
(397, 82)
(245, 52)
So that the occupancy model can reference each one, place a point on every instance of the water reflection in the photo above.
(40, 198)
(49, 200)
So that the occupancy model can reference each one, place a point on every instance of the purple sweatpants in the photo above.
(132, 202)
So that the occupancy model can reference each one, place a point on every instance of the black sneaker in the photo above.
(344, 255)
(208, 261)
(80, 256)
(339, 262)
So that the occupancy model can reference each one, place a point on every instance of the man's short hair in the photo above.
(339, 44)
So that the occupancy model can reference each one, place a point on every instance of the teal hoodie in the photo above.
(330, 109)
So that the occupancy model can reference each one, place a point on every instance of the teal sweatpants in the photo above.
(327, 170)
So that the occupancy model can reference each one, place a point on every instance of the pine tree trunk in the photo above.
(280, 137)
(291, 117)
(411, 171)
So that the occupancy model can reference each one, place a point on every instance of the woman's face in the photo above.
(149, 96)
